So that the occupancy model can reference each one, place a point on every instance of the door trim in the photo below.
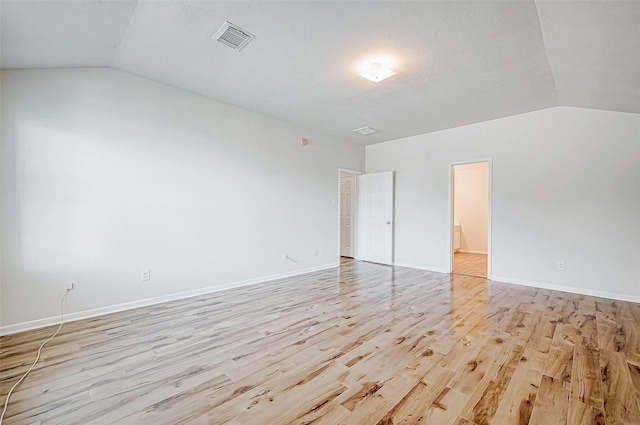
(488, 160)
(354, 212)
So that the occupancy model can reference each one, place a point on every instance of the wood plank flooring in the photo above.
(359, 344)
(470, 264)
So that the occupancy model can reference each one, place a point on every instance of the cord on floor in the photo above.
(6, 402)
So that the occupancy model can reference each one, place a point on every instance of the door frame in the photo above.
(488, 160)
(354, 212)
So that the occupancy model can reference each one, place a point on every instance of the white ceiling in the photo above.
(457, 62)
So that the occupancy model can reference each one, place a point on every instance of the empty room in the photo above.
(319, 212)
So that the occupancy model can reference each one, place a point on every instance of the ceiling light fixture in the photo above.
(377, 72)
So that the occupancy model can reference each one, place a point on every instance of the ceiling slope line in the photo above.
(546, 55)
(116, 50)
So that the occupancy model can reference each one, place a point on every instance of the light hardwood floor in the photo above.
(470, 264)
(359, 344)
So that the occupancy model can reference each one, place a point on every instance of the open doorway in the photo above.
(470, 196)
(347, 213)
(365, 216)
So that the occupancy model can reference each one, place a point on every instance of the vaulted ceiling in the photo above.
(457, 62)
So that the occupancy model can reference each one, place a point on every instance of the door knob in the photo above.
(388, 222)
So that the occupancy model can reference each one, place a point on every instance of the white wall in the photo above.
(565, 187)
(105, 174)
(471, 206)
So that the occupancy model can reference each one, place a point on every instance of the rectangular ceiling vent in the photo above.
(233, 36)
(365, 131)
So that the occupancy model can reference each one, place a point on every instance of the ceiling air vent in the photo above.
(365, 131)
(233, 36)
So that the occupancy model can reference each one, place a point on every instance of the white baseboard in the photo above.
(521, 282)
(419, 267)
(570, 289)
(40, 323)
(86, 314)
(470, 251)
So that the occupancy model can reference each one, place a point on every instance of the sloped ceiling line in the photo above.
(124, 34)
(544, 44)
(458, 62)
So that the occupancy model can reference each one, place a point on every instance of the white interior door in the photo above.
(375, 217)
(347, 204)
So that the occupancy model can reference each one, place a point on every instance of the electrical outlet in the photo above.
(315, 252)
(68, 286)
(146, 275)
(562, 266)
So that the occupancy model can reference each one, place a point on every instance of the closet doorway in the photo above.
(470, 230)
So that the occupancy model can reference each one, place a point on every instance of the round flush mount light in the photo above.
(304, 142)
